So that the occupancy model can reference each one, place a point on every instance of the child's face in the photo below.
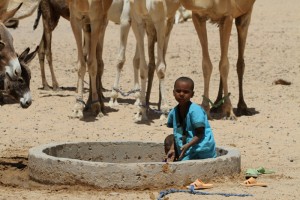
(183, 92)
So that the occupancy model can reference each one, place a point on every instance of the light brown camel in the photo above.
(89, 17)
(157, 18)
(52, 10)
(8, 58)
(222, 12)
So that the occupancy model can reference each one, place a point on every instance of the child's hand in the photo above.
(183, 149)
(170, 156)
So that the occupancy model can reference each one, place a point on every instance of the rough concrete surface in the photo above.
(125, 165)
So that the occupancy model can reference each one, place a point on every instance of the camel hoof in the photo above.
(163, 117)
(56, 88)
(230, 117)
(244, 111)
(113, 103)
(100, 115)
(140, 117)
(137, 102)
(46, 87)
(96, 108)
(78, 110)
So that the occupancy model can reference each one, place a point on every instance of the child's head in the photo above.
(183, 89)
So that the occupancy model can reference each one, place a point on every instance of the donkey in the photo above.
(19, 89)
(8, 58)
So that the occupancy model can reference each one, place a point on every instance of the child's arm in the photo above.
(199, 132)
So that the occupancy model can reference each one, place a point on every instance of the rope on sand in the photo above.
(192, 191)
(218, 103)
(125, 94)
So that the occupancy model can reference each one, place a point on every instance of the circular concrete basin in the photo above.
(126, 165)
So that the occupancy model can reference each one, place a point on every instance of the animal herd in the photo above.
(153, 18)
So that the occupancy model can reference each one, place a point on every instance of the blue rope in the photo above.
(192, 191)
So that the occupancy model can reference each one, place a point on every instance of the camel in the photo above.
(19, 89)
(157, 17)
(51, 11)
(223, 13)
(119, 13)
(8, 58)
(89, 17)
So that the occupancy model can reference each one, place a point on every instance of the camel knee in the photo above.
(120, 63)
(161, 71)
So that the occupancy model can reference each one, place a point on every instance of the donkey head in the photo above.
(20, 88)
(8, 57)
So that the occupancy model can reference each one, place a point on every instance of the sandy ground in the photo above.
(270, 138)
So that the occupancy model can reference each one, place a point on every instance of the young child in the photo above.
(192, 135)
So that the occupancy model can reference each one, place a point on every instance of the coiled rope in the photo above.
(164, 193)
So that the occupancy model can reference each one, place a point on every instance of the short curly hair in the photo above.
(185, 79)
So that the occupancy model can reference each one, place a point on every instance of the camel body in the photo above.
(222, 12)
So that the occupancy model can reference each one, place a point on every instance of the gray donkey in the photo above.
(19, 89)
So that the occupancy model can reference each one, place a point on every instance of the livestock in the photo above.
(8, 58)
(19, 89)
(89, 17)
(223, 13)
(158, 18)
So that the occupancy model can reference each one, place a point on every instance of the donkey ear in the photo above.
(7, 15)
(24, 54)
(30, 56)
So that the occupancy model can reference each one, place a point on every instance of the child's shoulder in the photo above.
(196, 106)
(197, 109)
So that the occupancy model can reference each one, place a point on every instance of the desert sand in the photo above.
(270, 138)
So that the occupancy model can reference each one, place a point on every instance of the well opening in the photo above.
(129, 152)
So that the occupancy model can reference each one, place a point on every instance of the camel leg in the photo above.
(50, 21)
(138, 29)
(160, 26)
(48, 38)
(242, 24)
(41, 55)
(225, 31)
(151, 35)
(200, 26)
(92, 62)
(124, 30)
(170, 23)
(136, 68)
(79, 105)
(100, 67)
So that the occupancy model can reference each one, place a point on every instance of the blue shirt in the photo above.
(195, 118)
